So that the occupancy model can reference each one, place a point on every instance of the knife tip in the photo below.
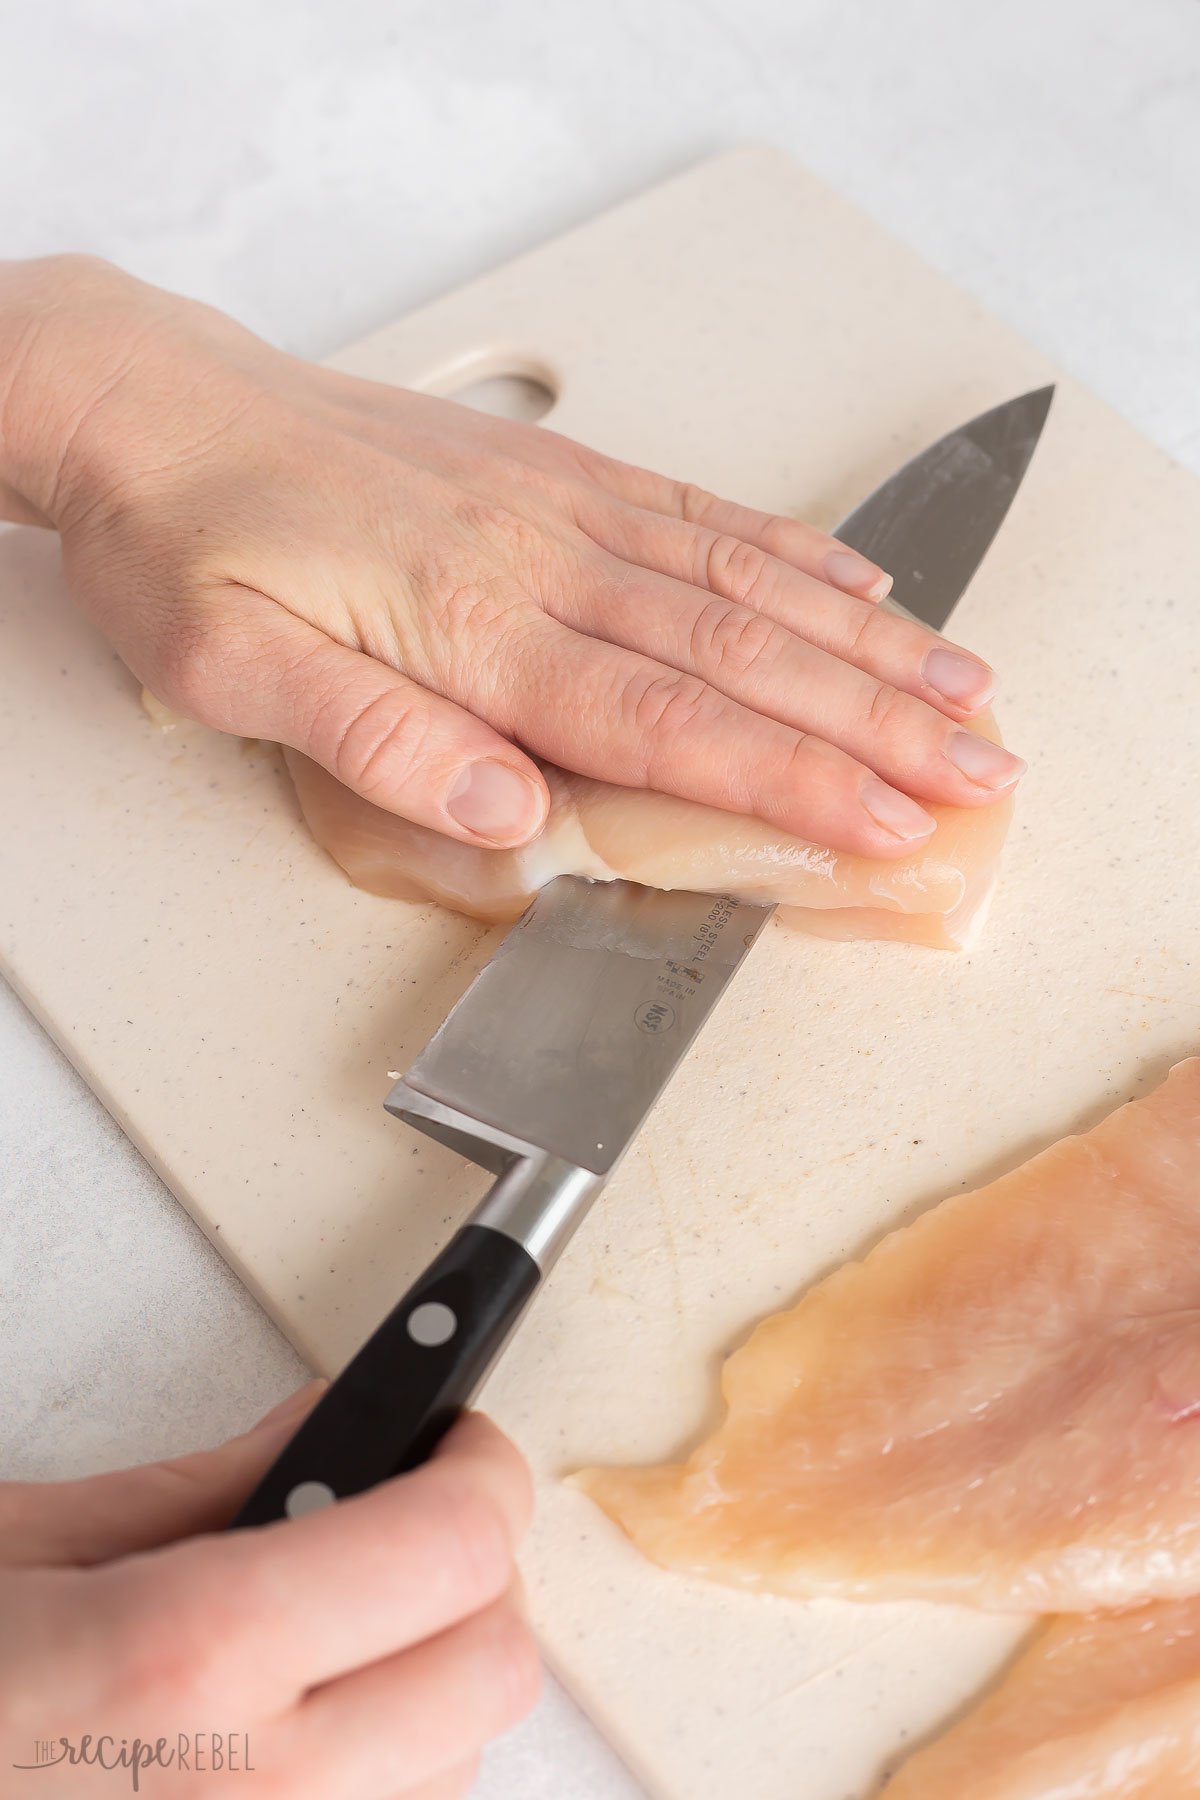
(1038, 401)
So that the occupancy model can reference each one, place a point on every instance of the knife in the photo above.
(545, 1070)
(930, 524)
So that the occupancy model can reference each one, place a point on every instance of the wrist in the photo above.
(63, 342)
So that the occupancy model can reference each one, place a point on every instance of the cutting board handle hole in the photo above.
(507, 387)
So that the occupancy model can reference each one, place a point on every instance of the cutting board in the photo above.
(238, 1006)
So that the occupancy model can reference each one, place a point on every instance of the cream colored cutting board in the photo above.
(238, 1006)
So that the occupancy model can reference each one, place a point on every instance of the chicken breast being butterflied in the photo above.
(937, 896)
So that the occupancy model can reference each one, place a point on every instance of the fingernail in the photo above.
(496, 803)
(959, 678)
(991, 765)
(294, 1407)
(847, 569)
(893, 810)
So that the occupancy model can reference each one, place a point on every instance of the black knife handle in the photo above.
(388, 1409)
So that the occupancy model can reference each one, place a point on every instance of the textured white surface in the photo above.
(319, 170)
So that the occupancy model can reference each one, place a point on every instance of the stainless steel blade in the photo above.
(566, 1038)
(547, 1066)
(931, 522)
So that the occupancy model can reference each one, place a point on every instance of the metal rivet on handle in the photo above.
(432, 1324)
(307, 1497)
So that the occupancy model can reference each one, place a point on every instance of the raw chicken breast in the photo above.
(936, 897)
(1097, 1709)
(999, 1405)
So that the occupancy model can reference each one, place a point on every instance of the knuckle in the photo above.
(731, 640)
(478, 1537)
(509, 1471)
(474, 610)
(871, 636)
(886, 709)
(477, 615)
(140, 1644)
(825, 775)
(82, 266)
(664, 707)
(194, 663)
(467, 1776)
(736, 569)
(471, 580)
(582, 459)
(695, 503)
(522, 1490)
(176, 1644)
(805, 762)
(499, 527)
(517, 1663)
(461, 1781)
(779, 534)
(390, 732)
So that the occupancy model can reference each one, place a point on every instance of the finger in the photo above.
(893, 649)
(602, 710)
(454, 1784)
(415, 1717)
(391, 740)
(79, 1523)
(768, 670)
(791, 540)
(337, 1589)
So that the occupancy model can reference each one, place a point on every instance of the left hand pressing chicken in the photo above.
(416, 595)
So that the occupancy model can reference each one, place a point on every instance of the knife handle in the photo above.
(388, 1409)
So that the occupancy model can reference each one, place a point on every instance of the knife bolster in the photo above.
(539, 1201)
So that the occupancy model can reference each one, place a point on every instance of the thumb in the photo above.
(77, 1523)
(394, 742)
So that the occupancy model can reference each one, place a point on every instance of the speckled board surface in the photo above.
(238, 1006)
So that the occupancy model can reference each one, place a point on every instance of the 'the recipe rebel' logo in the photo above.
(200, 1752)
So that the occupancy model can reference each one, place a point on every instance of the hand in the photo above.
(367, 1651)
(406, 590)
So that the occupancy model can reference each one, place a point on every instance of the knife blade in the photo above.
(931, 522)
(545, 1070)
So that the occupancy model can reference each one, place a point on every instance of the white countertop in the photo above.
(317, 170)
